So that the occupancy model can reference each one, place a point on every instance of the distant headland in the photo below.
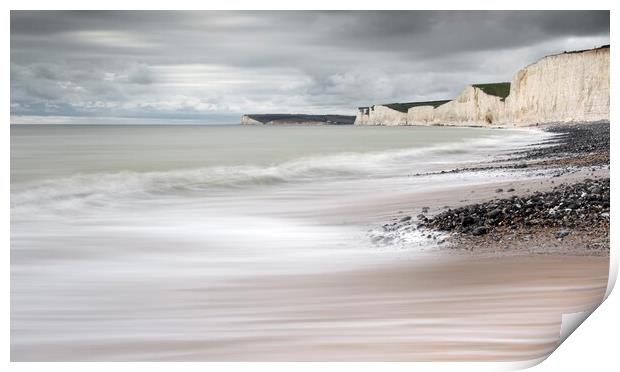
(261, 119)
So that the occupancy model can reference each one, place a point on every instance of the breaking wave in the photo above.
(97, 189)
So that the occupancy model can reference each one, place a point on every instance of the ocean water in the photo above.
(232, 242)
(239, 194)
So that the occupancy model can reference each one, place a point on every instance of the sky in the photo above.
(151, 67)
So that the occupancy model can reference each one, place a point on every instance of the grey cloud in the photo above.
(212, 65)
(140, 74)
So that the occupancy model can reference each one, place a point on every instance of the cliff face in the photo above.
(421, 115)
(393, 113)
(472, 107)
(380, 115)
(247, 119)
(568, 87)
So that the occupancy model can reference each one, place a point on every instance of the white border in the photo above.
(593, 346)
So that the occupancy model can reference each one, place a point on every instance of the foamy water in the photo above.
(203, 243)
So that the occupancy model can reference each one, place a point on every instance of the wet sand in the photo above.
(449, 308)
(435, 309)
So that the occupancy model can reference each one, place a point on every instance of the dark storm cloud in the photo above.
(212, 66)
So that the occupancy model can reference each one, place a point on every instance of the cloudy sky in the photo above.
(210, 67)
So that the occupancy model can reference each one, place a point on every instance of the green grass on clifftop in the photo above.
(606, 46)
(501, 90)
(403, 107)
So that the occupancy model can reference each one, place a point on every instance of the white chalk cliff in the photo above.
(380, 115)
(472, 107)
(247, 120)
(567, 87)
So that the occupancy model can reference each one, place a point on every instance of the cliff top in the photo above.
(404, 107)
(602, 47)
(583, 50)
(501, 90)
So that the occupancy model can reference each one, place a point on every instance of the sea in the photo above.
(231, 242)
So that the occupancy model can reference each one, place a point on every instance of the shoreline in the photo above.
(435, 305)
(495, 219)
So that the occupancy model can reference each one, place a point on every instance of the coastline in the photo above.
(565, 217)
(444, 304)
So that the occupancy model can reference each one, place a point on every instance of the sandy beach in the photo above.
(421, 295)
(437, 309)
